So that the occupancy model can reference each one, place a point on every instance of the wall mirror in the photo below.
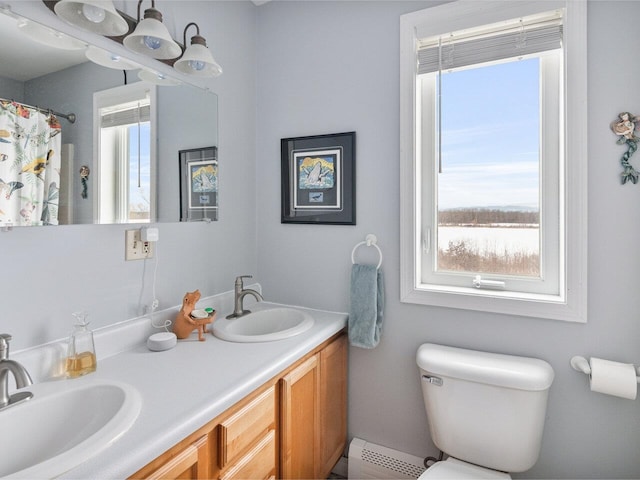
(130, 141)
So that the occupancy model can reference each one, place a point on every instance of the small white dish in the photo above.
(159, 342)
(200, 313)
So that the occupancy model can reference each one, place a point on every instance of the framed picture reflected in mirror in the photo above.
(198, 184)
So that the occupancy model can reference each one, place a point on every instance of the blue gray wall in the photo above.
(12, 89)
(302, 68)
(328, 67)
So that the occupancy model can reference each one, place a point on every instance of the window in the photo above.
(123, 125)
(491, 219)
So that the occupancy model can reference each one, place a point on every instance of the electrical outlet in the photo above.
(135, 247)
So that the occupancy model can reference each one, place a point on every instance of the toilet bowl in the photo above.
(486, 411)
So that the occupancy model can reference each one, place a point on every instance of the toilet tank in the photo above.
(485, 408)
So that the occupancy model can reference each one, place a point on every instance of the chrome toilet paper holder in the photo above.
(582, 365)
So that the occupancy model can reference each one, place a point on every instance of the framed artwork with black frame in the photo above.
(318, 179)
(198, 184)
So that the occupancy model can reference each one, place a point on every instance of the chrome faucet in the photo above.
(239, 293)
(19, 373)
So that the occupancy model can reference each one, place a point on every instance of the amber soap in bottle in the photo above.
(81, 354)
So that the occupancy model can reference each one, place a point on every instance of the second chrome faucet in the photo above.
(20, 374)
(239, 293)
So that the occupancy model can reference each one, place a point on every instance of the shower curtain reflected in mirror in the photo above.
(30, 144)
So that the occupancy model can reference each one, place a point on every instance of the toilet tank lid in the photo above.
(523, 373)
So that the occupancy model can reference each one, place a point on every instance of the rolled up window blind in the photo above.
(125, 116)
(519, 37)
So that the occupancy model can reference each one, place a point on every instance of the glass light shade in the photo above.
(151, 38)
(157, 78)
(46, 36)
(198, 61)
(109, 59)
(98, 16)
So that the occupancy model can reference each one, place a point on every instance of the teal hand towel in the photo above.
(367, 303)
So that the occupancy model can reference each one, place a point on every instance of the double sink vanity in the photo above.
(263, 398)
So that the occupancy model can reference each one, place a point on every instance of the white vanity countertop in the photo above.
(184, 388)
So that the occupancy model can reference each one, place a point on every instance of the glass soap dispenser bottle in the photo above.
(81, 353)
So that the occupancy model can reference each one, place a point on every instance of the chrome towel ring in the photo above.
(371, 241)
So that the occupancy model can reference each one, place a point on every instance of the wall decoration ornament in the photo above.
(625, 128)
(84, 175)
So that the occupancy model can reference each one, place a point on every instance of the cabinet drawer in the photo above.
(258, 463)
(245, 426)
(189, 463)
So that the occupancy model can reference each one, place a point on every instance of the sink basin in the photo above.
(264, 325)
(64, 424)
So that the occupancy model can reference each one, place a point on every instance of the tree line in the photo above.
(486, 216)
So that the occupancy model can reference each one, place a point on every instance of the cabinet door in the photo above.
(190, 463)
(299, 447)
(333, 404)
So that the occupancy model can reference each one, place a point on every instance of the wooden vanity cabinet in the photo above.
(292, 427)
(239, 444)
(332, 428)
(313, 427)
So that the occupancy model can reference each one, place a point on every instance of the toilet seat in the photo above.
(455, 469)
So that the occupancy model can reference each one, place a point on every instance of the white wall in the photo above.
(49, 272)
(325, 67)
(328, 67)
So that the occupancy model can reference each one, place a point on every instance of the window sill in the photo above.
(509, 303)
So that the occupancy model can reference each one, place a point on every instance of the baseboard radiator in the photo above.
(368, 460)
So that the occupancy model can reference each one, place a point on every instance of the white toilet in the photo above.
(486, 411)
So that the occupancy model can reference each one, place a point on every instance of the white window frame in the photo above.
(551, 277)
(109, 206)
(571, 303)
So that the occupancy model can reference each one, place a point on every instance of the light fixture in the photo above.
(109, 59)
(157, 78)
(151, 37)
(197, 59)
(98, 16)
(47, 36)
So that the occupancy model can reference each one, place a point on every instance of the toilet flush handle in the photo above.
(433, 380)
